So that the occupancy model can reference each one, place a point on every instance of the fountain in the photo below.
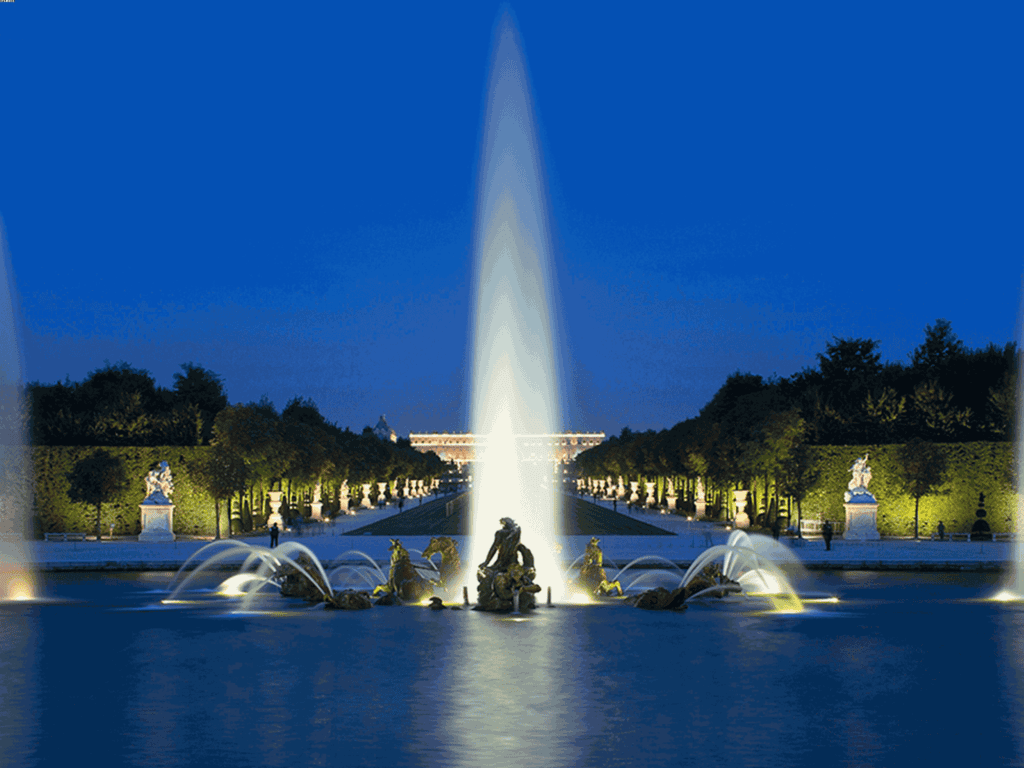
(514, 386)
(1013, 589)
(17, 581)
(750, 565)
(507, 584)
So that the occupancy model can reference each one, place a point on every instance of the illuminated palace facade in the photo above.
(460, 447)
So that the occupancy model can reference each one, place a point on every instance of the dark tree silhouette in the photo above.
(204, 390)
(223, 473)
(95, 480)
(922, 467)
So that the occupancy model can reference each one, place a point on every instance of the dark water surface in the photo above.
(904, 670)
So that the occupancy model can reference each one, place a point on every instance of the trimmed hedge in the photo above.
(974, 468)
(53, 511)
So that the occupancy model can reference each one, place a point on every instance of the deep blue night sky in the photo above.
(284, 194)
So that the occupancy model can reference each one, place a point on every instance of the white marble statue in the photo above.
(160, 480)
(861, 474)
(700, 489)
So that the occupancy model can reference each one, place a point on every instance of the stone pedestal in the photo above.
(157, 518)
(671, 501)
(861, 518)
(701, 509)
(316, 509)
(742, 519)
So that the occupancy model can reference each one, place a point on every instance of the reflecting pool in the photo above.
(904, 669)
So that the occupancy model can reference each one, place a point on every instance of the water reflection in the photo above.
(896, 674)
(20, 685)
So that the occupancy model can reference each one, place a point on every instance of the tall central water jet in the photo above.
(514, 384)
(1014, 586)
(17, 580)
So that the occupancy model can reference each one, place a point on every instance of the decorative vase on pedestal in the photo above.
(650, 501)
(742, 518)
(275, 510)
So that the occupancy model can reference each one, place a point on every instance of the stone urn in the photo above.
(634, 486)
(365, 502)
(742, 519)
(670, 494)
(651, 499)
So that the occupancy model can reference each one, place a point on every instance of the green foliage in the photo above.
(94, 480)
(196, 477)
(56, 511)
(122, 405)
(979, 467)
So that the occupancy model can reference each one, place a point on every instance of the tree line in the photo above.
(253, 447)
(758, 431)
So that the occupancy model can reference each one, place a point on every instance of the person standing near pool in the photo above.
(274, 531)
(826, 532)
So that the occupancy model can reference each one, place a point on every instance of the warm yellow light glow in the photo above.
(238, 585)
(578, 598)
(1006, 596)
(19, 588)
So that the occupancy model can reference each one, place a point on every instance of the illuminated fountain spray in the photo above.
(1014, 588)
(515, 387)
(17, 581)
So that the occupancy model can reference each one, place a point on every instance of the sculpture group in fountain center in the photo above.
(157, 511)
(860, 504)
(510, 578)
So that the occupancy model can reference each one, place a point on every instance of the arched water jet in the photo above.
(370, 560)
(747, 566)
(197, 555)
(220, 557)
(647, 559)
(359, 571)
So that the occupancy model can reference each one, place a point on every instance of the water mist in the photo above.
(514, 384)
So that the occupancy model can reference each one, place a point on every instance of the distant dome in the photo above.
(384, 432)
